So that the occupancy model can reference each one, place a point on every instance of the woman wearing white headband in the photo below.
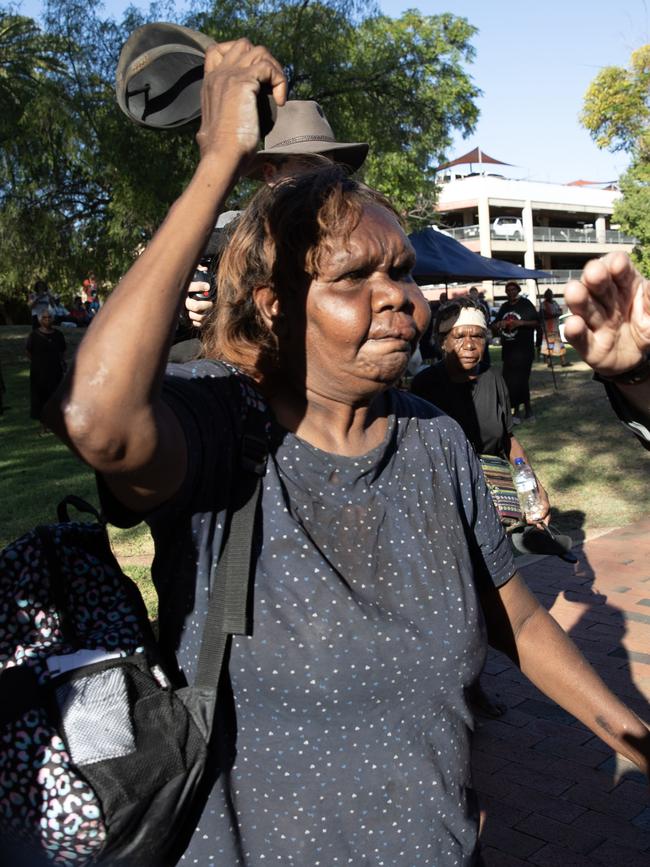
(476, 397)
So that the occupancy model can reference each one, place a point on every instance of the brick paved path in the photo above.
(551, 793)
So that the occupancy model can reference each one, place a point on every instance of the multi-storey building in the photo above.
(555, 227)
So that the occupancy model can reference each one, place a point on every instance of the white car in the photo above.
(508, 227)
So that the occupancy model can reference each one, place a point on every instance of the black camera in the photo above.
(208, 277)
(210, 260)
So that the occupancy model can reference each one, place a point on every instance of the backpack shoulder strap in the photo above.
(228, 608)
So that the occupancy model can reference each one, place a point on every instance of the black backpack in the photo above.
(104, 754)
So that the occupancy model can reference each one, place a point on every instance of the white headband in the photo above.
(466, 316)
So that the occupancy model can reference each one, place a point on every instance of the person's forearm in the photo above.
(517, 451)
(553, 663)
(110, 393)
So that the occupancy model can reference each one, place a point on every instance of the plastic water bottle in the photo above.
(528, 491)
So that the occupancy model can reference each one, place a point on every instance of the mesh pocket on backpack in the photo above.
(95, 716)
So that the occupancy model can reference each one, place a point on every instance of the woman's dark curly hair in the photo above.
(278, 242)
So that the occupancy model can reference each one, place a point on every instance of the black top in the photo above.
(631, 416)
(353, 729)
(481, 406)
(518, 338)
(46, 352)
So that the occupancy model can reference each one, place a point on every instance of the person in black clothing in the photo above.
(474, 395)
(46, 351)
(516, 323)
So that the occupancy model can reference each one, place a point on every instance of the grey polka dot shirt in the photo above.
(352, 725)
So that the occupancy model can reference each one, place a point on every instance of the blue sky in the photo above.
(534, 62)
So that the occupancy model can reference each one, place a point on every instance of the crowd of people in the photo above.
(382, 565)
(80, 312)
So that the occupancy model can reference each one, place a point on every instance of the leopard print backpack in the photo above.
(102, 750)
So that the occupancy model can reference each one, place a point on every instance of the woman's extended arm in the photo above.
(520, 627)
(109, 410)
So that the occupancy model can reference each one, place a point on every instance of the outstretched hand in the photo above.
(610, 327)
(234, 74)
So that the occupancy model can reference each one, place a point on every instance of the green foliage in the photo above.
(82, 188)
(399, 84)
(633, 210)
(617, 114)
(26, 55)
(617, 104)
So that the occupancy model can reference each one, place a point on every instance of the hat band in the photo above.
(302, 138)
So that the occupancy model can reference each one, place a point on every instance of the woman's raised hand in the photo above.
(235, 73)
(610, 327)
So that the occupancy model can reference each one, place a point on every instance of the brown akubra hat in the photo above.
(301, 129)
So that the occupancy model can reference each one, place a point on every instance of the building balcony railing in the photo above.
(548, 234)
(586, 235)
(464, 233)
(559, 275)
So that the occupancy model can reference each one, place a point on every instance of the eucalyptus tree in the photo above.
(617, 114)
(82, 188)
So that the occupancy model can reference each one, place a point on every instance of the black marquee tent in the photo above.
(439, 258)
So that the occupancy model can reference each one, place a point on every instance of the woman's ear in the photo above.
(268, 306)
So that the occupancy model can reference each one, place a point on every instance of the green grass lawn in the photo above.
(596, 473)
(37, 472)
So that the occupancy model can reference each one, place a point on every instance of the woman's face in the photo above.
(463, 346)
(363, 313)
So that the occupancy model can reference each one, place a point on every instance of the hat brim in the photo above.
(160, 74)
(532, 539)
(350, 154)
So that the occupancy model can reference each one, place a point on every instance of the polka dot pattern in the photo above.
(353, 731)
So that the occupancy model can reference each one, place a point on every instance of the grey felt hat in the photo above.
(159, 75)
(301, 129)
(540, 539)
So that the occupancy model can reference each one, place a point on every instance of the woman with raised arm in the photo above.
(381, 563)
